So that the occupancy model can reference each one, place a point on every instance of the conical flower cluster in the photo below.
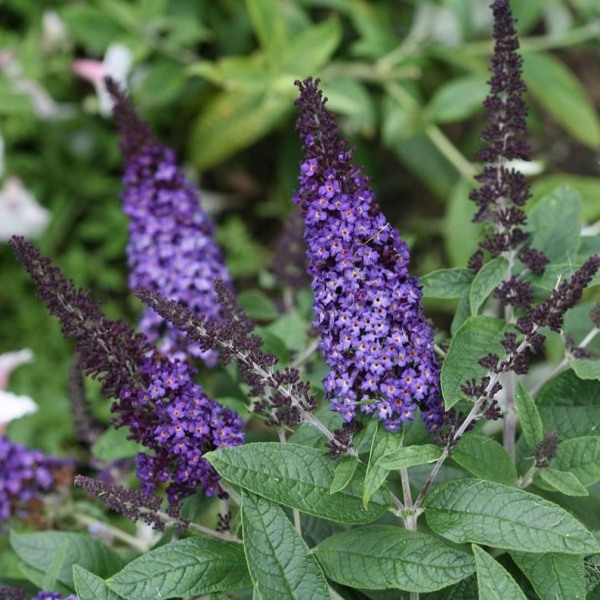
(374, 335)
(171, 249)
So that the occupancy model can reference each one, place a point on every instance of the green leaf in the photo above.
(492, 514)
(346, 96)
(447, 283)
(381, 557)
(529, 417)
(411, 456)
(258, 305)
(581, 457)
(461, 235)
(279, 560)
(588, 189)
(462, 313)
(114, 445)
(275, 27)
(234, 119)
(89, 25)
(91, 587)
(486, 281)
(38, 578)
(570, 405)
(39, 549)
(189, 567)
(296, 476)
(485, 458)
(555, 88)
(247, 73)
(310, 50)
(553, 575)
(458, 99)
(555, 225)
(52, 574)
(383, 443)
(344, 471)
(586, 368)
(476, 338)
(292, 328)
(493, 580)
(559, 481)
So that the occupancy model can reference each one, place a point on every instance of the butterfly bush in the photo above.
(156, 397)
(171, 249)
(374, 335)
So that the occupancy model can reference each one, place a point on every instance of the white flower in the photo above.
(20, 214)
(116, 64)
(13, 406)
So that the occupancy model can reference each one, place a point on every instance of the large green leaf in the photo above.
(344, 472)
(382, 557)
(555, 480)
(461, 235)
(275, 24)
(492, 514)
(410, 456)
(588, 189)
(493, 580)
(586, 368)
(486, 458)
(447, 283)
(458, 99)
(477, 337)
(234, 119)
(189, 567)
(553, 575)
(529, 417)
(279, 560)
(486, 281)
(299, 477)
(555, 223)
(384, 443)
(570, 405)
(114, 445)
(563, 96)
(39, 549)
(580, 457)
(311, 48)
(91, 587)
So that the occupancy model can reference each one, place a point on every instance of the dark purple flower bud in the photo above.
(595, 315)
(534, 260)
(551, 312)
(503, 190)
(546, 450)
(171, 248)
(515, 292)
(374, 336)
(130, 503)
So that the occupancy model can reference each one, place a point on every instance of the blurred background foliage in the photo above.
(215, 80)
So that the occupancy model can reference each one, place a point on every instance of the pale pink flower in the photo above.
(13, 406)
(116, 65)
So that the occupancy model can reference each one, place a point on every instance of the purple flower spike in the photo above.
(171, 249)
(504, 190)
(374, 336)
(165, 410)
